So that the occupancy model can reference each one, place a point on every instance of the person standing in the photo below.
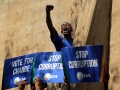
(59, 41)
(66, 29)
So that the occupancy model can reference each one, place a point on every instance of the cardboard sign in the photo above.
(49, 67)
(17, 69)
(83, 64)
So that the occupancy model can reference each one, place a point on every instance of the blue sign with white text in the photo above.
(83, 64)
(49, 67)
(18, 69)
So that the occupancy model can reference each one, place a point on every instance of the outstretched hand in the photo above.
(49, 7)
(21, 85)
(38, 83)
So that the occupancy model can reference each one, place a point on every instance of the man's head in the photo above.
(66, 28)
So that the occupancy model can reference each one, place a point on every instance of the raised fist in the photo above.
(49, 7)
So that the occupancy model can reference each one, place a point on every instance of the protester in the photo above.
(66, 29)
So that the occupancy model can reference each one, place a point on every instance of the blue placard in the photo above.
(49, 67)
(18, 69)
(83, 64)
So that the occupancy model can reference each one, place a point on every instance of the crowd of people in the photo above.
(39, 85)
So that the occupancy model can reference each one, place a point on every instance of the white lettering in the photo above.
(81, 54)
(87, 75)
(17, 63)
(83, 63)
(54, 58)
(53, 76)
(50, 66)
(21, 70)
(28, 60)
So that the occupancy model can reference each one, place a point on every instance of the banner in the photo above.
(83, 64)
(17, 69)
(49, 67)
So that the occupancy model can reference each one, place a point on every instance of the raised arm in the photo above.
(39, 85)
(21, 85)
(49, 21)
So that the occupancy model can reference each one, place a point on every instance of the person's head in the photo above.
(66, 28)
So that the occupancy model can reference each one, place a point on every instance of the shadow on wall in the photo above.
(100, 28)
(99, 33)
